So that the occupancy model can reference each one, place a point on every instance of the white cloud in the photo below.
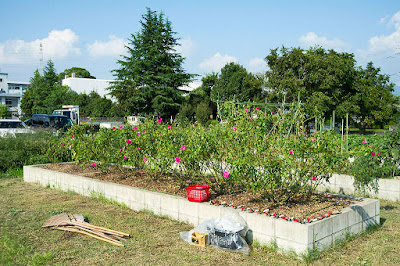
(114, 47)
(384, 19)
(216, 62)
(191, 86)
(257, 65)
(387, 46)
(57, 45)
(186, 48)
(395, 21)
(312, 39)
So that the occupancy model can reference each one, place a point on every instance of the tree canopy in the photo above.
(328, 81)
(149, 76)
(3, 111)
(235, 82)
(78, 71)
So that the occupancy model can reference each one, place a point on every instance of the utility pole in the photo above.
(41, 59)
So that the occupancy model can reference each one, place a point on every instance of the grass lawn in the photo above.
(155, 240)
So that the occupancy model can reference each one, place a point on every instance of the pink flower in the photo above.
(72, 136)
(144, 131)
(313, 140)
(257, 108)
(314, 178)
(144, 159)
(63, 144)
(120, 150)
(169, 127)
(128, 141)
(364, 142)
(291, 152)
(183, 148)
(92, 137)
(159, 120)
(379, 153)
(121, 127)
(94, 165)
(234, 128)
(270, 145)
(177, 160)
(125, 157)
(272, 113)
(290, 178)
(138, 149)
(226, 175)
(138, 133)
(373, 154)
(113, 127)
(247, 110)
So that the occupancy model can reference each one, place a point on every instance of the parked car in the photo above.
(10, 127)
(58, 122)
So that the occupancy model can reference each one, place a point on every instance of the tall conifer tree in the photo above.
(151, 73)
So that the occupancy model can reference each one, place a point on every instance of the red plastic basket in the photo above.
(197, 193)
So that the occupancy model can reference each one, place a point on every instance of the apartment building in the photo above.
(11, 94)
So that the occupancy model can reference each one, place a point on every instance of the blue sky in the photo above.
(91, 34)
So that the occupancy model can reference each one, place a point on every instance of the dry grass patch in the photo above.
(155, 240)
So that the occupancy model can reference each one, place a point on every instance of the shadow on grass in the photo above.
(388, 207)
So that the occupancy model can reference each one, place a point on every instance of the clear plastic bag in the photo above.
(226, 233)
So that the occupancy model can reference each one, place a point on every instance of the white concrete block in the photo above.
(287, 246)
(261, 224)
(189, 211)
(152, 201)
(137, 199)
(339, 222)
(207, 211)
(110, 190)
(321, 230)
(355, 228)
(263, 239)
(292, 231)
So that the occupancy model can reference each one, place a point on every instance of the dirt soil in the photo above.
(301, 208)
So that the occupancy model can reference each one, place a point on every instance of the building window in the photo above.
(9, 102)
(1, 80)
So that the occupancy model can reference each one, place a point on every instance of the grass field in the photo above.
(155, 240)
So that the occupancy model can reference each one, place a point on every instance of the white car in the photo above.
(10, 127)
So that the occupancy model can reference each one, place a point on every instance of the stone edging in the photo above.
(388, 188)
(288, 236)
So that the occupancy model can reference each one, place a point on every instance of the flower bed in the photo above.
(289, 236)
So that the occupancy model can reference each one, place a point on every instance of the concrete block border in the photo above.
(288, 236)
(389, 189)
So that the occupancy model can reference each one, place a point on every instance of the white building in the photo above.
(11, 94)
(86, 85)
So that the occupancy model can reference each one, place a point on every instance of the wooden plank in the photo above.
(88, 234)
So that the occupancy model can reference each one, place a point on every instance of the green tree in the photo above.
(150, 75)
(323, 79)
(377, 104)
(200, 95)
(32, 101)
(79, 73)
(3, 111)
(235, 82)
